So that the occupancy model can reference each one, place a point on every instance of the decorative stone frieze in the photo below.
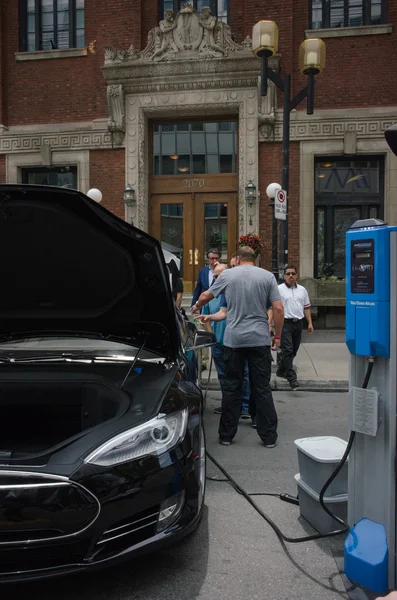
(11, 143)
(320, 128)
(188, 35)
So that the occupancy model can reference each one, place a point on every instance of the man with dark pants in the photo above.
(248, 292)
(296, 304)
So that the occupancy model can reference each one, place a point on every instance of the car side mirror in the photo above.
(203, 339)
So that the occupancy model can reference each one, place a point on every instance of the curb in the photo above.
(305, 386)
(308, 385)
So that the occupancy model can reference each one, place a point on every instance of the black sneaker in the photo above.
(245, 415)
(280, 374)
(253, 424)
(225, 442)
(218, 410)
(294, 385)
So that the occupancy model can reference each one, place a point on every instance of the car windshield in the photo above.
(62, 345)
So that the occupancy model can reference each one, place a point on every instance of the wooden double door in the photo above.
(191, 215)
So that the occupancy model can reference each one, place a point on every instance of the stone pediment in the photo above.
(188, 35)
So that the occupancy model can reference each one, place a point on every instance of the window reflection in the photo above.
(347, 177)
(343, 220)
(59, 176)
(186, 148)
(347, 13)
(345, 190)
(219, 8)
(215, 228)
(172, 230)
(50, 25)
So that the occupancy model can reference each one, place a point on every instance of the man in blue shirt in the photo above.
(206, 274)
(218, 328)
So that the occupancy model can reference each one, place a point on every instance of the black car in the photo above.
(102, 448)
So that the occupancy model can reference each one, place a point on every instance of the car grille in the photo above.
(125, 534)
(37, 508)
(39, 557)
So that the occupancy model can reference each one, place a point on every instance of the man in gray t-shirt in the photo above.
(248, 291)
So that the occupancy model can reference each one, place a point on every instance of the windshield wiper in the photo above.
(69, 357)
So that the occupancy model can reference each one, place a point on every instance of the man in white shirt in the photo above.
(296, 304)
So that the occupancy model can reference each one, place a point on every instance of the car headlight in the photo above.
(154, 437)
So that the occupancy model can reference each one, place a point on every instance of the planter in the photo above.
(325, 293)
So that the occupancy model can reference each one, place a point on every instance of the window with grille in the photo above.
(51, 24)
(219, 8)
(326, 14)
(59, 176)
(345, 190)
(187, 148)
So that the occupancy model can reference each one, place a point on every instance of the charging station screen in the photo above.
(362, 266)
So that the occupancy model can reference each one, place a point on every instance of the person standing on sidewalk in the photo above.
(206, 274)
(248, 291)
(296, 304)
(213, 318)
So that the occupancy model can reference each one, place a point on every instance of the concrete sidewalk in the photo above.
(322, 362)
(320, 365)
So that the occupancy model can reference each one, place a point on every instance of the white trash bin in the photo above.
(312, 511)
(318, 458)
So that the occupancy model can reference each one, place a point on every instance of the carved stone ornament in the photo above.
(268, 105)
(188, 35)
(116, 104)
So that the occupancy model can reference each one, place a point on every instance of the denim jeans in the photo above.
(259, 367)
(219, 361)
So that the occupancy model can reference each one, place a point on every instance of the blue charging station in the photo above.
(371, 334)
(368, 288)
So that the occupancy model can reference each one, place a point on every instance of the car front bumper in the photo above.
(125, 525)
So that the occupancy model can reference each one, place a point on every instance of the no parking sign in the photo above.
(280, 205)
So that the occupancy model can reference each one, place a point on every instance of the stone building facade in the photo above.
(104, 94)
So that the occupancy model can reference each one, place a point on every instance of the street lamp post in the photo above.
(311, 63)
(271, 192)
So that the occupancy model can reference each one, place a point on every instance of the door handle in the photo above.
(196, 256)
(190, 257)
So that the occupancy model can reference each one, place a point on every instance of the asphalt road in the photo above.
(234, 554)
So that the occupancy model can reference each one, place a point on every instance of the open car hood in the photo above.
(69, 265)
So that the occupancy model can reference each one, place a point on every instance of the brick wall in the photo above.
(358, 71)
(107, 173)
(68, 89)
(150, 18)
(270, 172)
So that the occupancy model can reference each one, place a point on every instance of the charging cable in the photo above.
(339, 467)
(276, 529)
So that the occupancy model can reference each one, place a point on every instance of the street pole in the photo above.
(285, 171)
(275, 270)
(311, 63)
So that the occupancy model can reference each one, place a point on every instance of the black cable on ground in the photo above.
(272, 524)
(264, 516)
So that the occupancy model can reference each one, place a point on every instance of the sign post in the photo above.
(280, 205)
